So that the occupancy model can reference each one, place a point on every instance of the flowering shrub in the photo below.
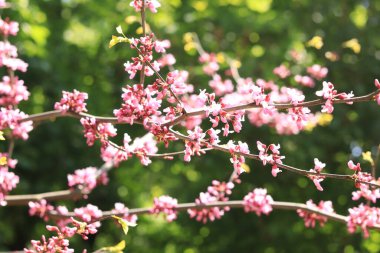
(173, 113)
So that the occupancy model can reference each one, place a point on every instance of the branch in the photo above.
(23, 200)
(282, 166)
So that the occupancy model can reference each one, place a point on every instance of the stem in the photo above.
(142, 73)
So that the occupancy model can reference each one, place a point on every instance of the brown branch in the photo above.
(23, 200)
(282, 166)
(232, 203)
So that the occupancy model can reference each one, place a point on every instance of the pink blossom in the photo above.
(11, 119)
(161, 45)
(304, 80)
(354, 167)
(193, 147)
(122, 209)
(317, 71)
(218, 191)
(366, 192)
(317, 179)
(72, 101)
(8, 27)
(93, 130)
(281, 71)
(258, 201)
(237, 160)
(40, 208)
(166, 60)
(167, 205)
(12, 91)
(3, 4)
(377, 83)
(210, 63)
(87, 179)
(8, 181)
(311, 218)
(219, 86)
(88, 213)
(54, 244)
(151, 4)
(274, 158)
(141, 147)
(364, 217)
(113, 155)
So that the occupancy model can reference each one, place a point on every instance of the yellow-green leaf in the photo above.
(367, 156)
(316, 42)
(352, 44)
(2, 136)
(119, 30)
(3, 160)
(116, 40)
(124, 224)
(118, 248)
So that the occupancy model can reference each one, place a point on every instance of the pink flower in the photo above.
(87, 179)
(122, 209)
(219, 86)
(8, 181)
(93, 130)
(219, 191)
(151, 4)
(258, 201)
(317, 71)
(40, 208)
(167, 205)
(194, 147)
(88, 213)
(11, 119)
(304, 80)
(237, 160)
(311, 218)
(12, 91)
(354, 167)
(317, 179)
(8, 27)
(281, 71)
(274, 158)
(72, 101)
(364, 217)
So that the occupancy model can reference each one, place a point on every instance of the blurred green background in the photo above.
(66, 44)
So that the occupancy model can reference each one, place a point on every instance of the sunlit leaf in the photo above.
(119, 30)
(118, 248)
(116, 40)
(316, 42)
(367, 156)
(2, 136)
(124, 223)
(3, 160)
(359, 16)
(259, 6)
(352, 44)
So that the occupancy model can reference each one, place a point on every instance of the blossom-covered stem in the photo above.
(280, 205)
(51, 115)
(143, 25)
(278, 106)
(23, 200)
(282, 166)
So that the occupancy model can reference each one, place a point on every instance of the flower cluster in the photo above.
(8, 179)
(238, 160)
(329, 93)
(317, 179)
(151, 4)
(94, 130)
(218, 191)
(141, 147)
(258, 201)
(194, 145)
(87, 179)
(364, 217)
(311, 218)
(122, 209)
(72, 101)
(282, 71)
(40, 208)
(88, 213)
(274, 158)
(167, 205)
(210, 63)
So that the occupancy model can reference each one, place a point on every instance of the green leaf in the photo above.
(118, 248)
(124, 224)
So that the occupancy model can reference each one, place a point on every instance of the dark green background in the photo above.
(66, 44)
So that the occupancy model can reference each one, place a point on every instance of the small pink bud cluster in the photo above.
(274, 158)
(8, 27)
(377, 97)
(317, 179)
(8, 57)
(94, 130)
(194, 145)
(122, 209)
(8, 179)
(87, 179)
(258, 201)
(304, 80)
(282, 71)
(329, 93)
(151, 4)
(40, 208)
(219, 86)
(364, 217)
(72, 101)
(11, 119)
(317, 71)
(311, 218)
(12, 91)
(218, 191)
(210, 63)
(145, 46)
(54, 244)
(141, 147)
(88, 213)
(167, 205)
(237, 160)
(138, 104)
